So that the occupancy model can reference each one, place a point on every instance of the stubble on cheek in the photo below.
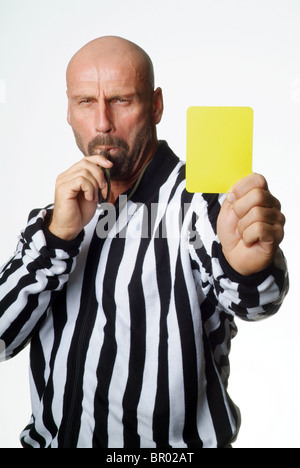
(124, 161)
(79, 143)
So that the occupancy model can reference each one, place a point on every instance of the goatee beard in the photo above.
(123, 162)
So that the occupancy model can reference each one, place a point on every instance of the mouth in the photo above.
(110, 150)
(112, 145)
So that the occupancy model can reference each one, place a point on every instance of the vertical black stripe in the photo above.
(59, 316)
(214, 392)
(161, 415)
(137, 350)
(213, 208)
(72, 407)
(109, 348)
(37, 365)
(215, 398)
(189, 358)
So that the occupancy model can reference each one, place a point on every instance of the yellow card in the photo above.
(219, 147)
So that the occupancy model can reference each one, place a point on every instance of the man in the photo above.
(129, 306)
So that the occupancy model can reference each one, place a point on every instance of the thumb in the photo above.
(230, 197)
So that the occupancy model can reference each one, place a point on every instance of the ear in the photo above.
(157, 106)
(69, 110)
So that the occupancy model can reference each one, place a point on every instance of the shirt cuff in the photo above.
(54, 242)
(251, 280)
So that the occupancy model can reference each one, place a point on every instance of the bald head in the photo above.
(116, 51)
(112, 104)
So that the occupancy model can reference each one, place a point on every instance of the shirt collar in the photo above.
(163, 163)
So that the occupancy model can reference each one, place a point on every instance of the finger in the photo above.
(265, 233)
(248, 183)
(88, 186)
(70, 184)
(90, 163)
(255, 198)
(260, 214)
(88, 170)
(100, 160)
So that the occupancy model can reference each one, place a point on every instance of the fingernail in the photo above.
(230, 197)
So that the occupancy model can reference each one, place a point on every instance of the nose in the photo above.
(103, 119)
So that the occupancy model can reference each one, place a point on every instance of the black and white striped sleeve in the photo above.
(30, 280)
(250, 298)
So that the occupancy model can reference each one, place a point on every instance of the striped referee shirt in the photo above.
(130, 324)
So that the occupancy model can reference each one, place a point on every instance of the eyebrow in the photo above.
(78, 96)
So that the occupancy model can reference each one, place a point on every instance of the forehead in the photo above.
(105, 74)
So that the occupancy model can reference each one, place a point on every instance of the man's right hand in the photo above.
(76, 196)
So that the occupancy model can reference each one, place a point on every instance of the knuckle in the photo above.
(85, 173)
(84, 181)
(282, 219)
(260, 196)
(278, 234)
(260, 228)
(59, 178)
(82, 165)
(59, 183)
(256, 213)
(260, 181)
(278, 217)
(276, 203)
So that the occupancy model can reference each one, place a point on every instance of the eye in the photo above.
(120, 101)
(85, 101)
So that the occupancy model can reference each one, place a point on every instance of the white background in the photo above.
(205, 52)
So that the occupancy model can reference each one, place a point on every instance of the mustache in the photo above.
(106, 140)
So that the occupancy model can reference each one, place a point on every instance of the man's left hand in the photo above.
(250, 225)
